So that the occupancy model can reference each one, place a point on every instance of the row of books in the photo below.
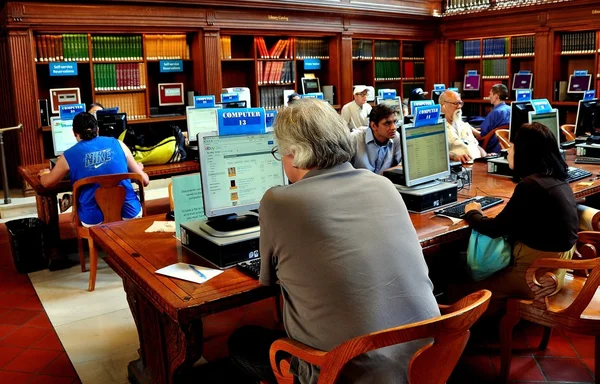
(387, 70)
(276, 72)
(107, 48)
(362, 49)
(414, 70)
(462, 4)
(225, 45)
(283, 48)
(65, 47)
(467, 49)
(167, 47)
(271, 97)
(495, 47)
(117, 77)
(134, 104)
(312, 49)
(522, 46)
(578, 42)
(496, 68)
(387, 49)
(413, 51)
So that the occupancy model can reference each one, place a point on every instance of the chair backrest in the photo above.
(569, 131)
(486, 139)
(503, 135)
(110, 196)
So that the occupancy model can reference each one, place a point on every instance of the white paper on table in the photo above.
(161, 226)
(184, 272)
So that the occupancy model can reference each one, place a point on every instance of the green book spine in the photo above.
(65, 42)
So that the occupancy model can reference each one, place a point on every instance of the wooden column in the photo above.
(212, 62)
(345, 93)
(543, 86)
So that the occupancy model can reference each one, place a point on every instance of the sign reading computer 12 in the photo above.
(239, 121)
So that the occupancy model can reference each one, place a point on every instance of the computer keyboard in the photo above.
(575, 174)
(166, 115)
(458, 210)
(587, 160)
(250, 268)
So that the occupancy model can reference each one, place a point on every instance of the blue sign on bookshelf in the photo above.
(68, 111)
(472, 72)
(541, 106)
(427, 115)
(66, 68)
(523, 94)
(439, 87)
(313, 95)
(582, 72)
(239, 121)
(270, 118)
(589, 95)
(524, 72)
(204, 101)
(171, 65)
(311, 64)
(228, 97)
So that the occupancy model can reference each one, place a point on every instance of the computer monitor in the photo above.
(112, 124)
(232, 104)
(519, 115)
(63, 137)
(424, 153)
(550, 120)
(435, 96)
(522, 80)
(472, 83)
(236, 171)
(579, 84)
(588, 117)
(418, 103)
(310, 85)
(201, 120)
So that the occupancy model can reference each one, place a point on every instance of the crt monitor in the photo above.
(63, 137)
(522, 80)
(236, 171)
(550, 120)
(112, 124)
(395, 104)
(519, 115)
(579, 84)
(310, 85)
(472, 83)
(200, 120)
(424, 153)
(588, 117)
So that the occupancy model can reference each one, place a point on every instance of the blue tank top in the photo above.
(97, 157)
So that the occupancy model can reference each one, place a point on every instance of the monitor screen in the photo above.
(201, 120)
(236, 171)
(425, 153)
(550, 120)
(435, 96)
(112, 124)
(310, 85)
(518, 116)
(419, 103)
(579, 84)
(471, 83)
(522, 81)
(63, 137)
(588, 117)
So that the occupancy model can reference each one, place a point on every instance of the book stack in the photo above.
(116, 48)
(134, 104)
(312, 49)
(276, 72)
(283, 49)
(413, 51)
(387, 49)
(225, 47)
(495, 47)
(65, 47)
(387, 70)
(119, 77)
(362, 49)
(467, 49)
(167, 47)
(495, 69)
(578, 42)
(271, 97)
(522, 46)
(414, 70)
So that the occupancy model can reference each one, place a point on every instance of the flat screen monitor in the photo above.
(310, 85)
(519, 115)
(522, 81)
(232, 104)
(425, 153)
(588, 117)
(201, 120)
(579, 84)
(112, 124)
(472, 83)
(236, 171)
(550, 120)
(418, 103)
(63, 137)
(435, 96)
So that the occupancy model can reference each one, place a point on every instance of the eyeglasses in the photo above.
(457, 104)
(275, 153)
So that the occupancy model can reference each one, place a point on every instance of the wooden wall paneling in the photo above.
(212, 59)
(400, 29)
(200, 71)
(335, 74)
(276, 20)
(7, 115)
(345, 91)
(433, 64)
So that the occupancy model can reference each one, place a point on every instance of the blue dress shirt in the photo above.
(372, 156)
(500, 115)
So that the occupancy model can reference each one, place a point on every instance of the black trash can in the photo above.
(27, 244)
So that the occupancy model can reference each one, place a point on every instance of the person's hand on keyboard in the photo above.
(473, 206)
(464, 158)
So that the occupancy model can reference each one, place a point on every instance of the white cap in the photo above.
(359, 89)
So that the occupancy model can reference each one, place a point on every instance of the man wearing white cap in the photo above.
(356, 113)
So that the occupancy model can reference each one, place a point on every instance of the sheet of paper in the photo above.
(161, 226)
(183, 271)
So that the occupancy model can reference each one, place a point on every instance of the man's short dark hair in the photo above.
(85, 125)
(501, 91)
(380, 112)
(536, 151)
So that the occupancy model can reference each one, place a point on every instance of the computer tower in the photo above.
(328, 92)
(44, 118)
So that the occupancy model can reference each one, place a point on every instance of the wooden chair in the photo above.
(569, 131)
(486, 139)
(503, 135)
(575, 308)
(110, 197)
(449, 331)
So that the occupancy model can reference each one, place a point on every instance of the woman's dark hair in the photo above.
(536, 151)
(95, 105)
(85, 125)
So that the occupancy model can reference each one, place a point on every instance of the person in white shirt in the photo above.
(462, 145)
(356, 113)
